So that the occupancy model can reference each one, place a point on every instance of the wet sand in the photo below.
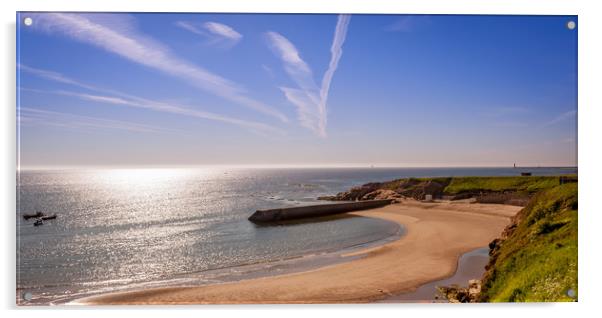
(470, 266)
(436, 235)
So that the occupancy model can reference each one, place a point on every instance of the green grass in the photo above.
(538, 261)
(530, 184)
(395, 184)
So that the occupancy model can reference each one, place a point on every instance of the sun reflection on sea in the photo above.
(147, 177)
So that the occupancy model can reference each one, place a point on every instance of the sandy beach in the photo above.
(436, 235)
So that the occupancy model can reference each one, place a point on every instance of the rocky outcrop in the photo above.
(382, 194)
(396, 189)
(458, 294)
(495, 245)
(418, 189)
(354, 194)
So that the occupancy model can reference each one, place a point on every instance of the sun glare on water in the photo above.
(141, 176)
(147, 177)
(153, 182)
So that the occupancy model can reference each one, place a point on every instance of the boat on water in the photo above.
(39, 217)
(36, 215)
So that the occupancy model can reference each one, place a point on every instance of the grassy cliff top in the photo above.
(528, 184)
(456, 185)
(538, 259)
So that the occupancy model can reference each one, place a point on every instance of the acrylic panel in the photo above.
(184, 158)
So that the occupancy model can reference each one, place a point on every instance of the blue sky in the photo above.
(251, 89)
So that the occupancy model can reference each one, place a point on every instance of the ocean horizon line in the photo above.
(283, 166)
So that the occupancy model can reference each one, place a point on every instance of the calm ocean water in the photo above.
(120, 228)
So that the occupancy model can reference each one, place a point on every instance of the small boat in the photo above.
(38, 214)
(38, 222)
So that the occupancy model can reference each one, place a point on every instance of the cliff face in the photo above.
(535, 259)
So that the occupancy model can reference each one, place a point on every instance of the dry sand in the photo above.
(436, 235)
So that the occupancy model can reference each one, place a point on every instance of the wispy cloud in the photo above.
(216, 33)
(407, 23)
(118, 35)
(222, 30)
(310, 100)
(50, 75)
(34, 116)
(336, 51)
(562, 117)
(123, 99)
(306, 97)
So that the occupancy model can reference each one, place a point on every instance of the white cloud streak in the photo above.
(310, 100)
(222, 30)
(34, 116)
(306, 97)
(288, 53)
(124, 99)
(188, 26)
(561, 117)
(116, 34)
(53, 76)
(216, 33)
(336, 51)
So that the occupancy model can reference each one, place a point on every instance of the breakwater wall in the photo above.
(282, 214)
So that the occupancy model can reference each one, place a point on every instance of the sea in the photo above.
(123, 229)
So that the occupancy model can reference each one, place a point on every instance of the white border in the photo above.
(590, 158)
(313, 6)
